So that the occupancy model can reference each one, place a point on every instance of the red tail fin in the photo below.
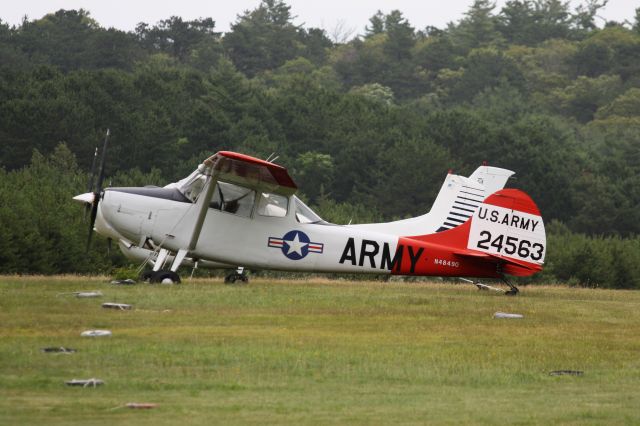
(506, 229)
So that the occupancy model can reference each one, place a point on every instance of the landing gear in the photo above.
(238, 275)
(513, 290)
(164, 277)
(233, 277)
(146, 276)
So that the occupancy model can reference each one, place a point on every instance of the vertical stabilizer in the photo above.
(460, 197)
(492, 178)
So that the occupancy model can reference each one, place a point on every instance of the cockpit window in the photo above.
(304, 214)
(231, 198)
(273, 205)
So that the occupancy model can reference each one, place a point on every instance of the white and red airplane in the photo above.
(239, 210)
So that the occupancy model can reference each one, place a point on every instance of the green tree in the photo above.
(435, 53)
(42, 230)
(400, 36)
(195, 41)
(613, 50)
(376, 25)
(71, 39)
(625, 105)
(584, 96)
(584, 16)
(410, 176)
(375, 92)
(264, 38)
(478, 27)
(314, 173)
(385, 57)
(531, 22)
(485, 68)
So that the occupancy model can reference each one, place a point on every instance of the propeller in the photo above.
(91, 179)
(98, 192)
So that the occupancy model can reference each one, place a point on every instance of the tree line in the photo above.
(368, 126)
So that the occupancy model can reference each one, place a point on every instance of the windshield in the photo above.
(192, 186)
(304, 214)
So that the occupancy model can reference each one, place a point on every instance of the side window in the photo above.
(233, 199)
(273, 205)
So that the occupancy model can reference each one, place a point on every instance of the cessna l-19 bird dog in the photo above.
(239, 210)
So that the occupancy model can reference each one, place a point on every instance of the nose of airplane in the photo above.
(86, 198)
(104, 212)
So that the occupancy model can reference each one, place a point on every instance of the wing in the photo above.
(251, 172)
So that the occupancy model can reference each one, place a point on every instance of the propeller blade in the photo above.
(92, 177)
(98, 193)
(93, 171)
(102, 162)
(92, 221)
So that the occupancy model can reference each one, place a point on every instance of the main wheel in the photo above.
(233, 277)
(165, 277)
(146, 276)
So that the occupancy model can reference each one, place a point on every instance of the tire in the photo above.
(165, 277)
(235, 277)
(146, 276)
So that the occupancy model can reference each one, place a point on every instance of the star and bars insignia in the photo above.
(296, 245)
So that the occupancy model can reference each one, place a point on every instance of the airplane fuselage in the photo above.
(269, 242)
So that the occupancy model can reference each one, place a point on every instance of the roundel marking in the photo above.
(295, 245)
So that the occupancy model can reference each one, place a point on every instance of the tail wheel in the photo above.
(165, 277)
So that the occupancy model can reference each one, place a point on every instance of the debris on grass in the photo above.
(141, 405)
(95, 333)
(88, 294)
(119, 306)
(85, 382)
(128, 281)
(566, 373)
(155, 311)
(83, 294)
(506, 315)
(58, 349)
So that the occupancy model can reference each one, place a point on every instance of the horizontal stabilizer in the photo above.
(509, 266)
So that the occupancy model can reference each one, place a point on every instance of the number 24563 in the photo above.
(511, 245)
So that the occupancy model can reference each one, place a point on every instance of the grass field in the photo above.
(318, 352)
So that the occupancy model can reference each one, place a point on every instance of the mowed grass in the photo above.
(318, 352)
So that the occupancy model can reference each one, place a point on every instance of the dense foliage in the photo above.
(368, 126)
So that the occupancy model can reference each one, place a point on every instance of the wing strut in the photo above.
(203, 204)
